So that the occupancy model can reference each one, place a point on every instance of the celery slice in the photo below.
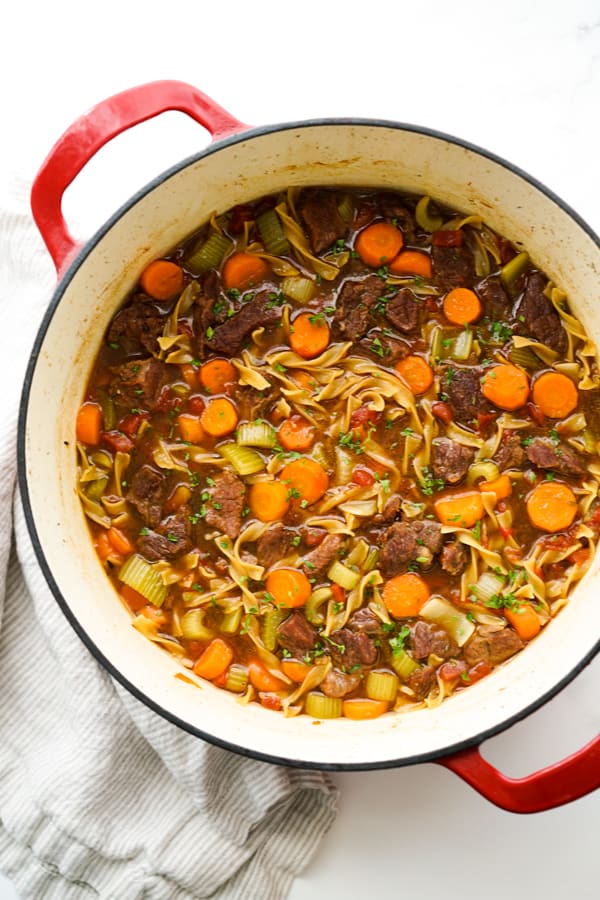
(237, 678)
(193, 627)
(244, 460)
(272, 233)
(342, 575)
(346, 208)
(256, 434)
(485, 469)
(231, 620)
(269, 624)
(403, 664)
(208, 255)
(144, 578)
(298, 288)
(321, 707)
(312, 608)
(488, 585)
(463, 344)
(382, 685)
(512, 271)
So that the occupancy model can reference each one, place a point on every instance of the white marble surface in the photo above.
(519, 78)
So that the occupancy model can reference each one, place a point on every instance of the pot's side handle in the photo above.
(97, 127)
(560, 783)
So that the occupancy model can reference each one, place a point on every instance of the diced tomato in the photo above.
(484, 419)
(184, 327)
(442, 411)
(130, 424)
(239, 215)
(431, 304)
(447, 238)
(134, 600)
(196, 405)
(221, 680)
(117, 441)
(478, 671)
(448, 671)
(270, 701)
(362, 420)
(363, 477)
(579, 557)
(536, 414)
(338, 593)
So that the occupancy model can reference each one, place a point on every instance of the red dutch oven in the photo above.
(243, 163)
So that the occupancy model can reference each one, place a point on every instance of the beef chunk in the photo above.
(319, 559)
(392, 209)
(450, 460)
(402, 311)
(387, 349)
(390, 511)
(453, 558)
(312, 537)
(340, 684)
(137, 326)
(205, 315)
(224, 508)
(297, 635)
(351, 648)
(319, 212)
(353, 308)
(541, 320)
(491, 646)
(421, 681)
(426, 638)
(139, 383)
(274, 544)
(545, 454)
(496, 302)
(147, 492)
(365, 620)
(463, 389)
(170, 539)
(452, 267)
(510, 454)
(405, 542)
(229, 337)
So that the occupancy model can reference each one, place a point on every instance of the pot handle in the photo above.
(95, 129)
(564, 781)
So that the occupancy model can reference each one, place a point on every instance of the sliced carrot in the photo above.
(190, 428)
(295, 670)
(364, 708)
(219, 417)
(296, 433)
(404, 595)
(134, 600)
(89, 423)
(506, 386)
(307, 480)
(288, 587)
(244, 270)
(379, 244)
(189, 374)
(555, 394)
(501, 487)
(214, 660)
(524, 620)
(411, 262)
(162, 279)
(416, 373)
(269, 501)
(103, 546)
(306, 381)
(462, 306)
(261, 678)
(461, 510)
(119, 541)
(217, 375)
(309, 335)
(551, 506)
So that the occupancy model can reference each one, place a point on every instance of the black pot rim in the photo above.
(86, 250)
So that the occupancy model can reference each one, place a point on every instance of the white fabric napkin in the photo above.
(99, 796)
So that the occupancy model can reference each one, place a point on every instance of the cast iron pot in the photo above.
(244, 163)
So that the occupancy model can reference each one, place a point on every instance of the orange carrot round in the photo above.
(364, 708)
(309, 335)
(134, 600)
(404, 595)
(462, 306)
(190, 428)
(269, 500)
(119, 541)
(555, 394)
(551, 506)
(524, 620)
(162, 279)
(215, 659)
(416, 373)
(261, 678)
(296, 433)
(288, 587)
(379, 244)
(244, 270)
(89, 423)
(216, 374)
(219, 417)
(500, 486)
(461, 510)
(306, 478)
(506, 386)
(411, 262)
(295, 670)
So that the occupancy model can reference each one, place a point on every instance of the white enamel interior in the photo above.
(322, 153)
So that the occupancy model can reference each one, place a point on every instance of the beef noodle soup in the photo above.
(339, 452)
